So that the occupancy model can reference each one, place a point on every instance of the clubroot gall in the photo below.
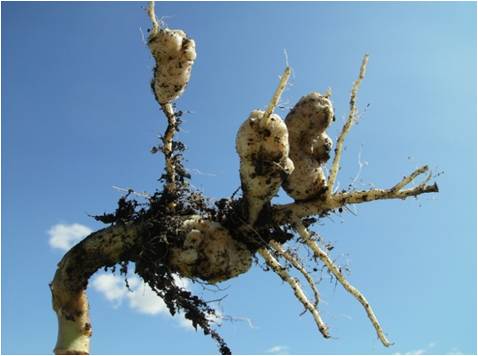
(309, 146)
(177, 231)
(174, 53)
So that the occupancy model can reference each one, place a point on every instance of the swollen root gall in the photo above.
(309, 145)
(263, 148)
(174, 53)
(209, 252)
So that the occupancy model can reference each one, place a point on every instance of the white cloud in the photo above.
(64, 236)
(181, 282)
(112, 287)
(188, 325)
(455, 351)
(140, 297)
(216, 318)
(420, 351)
(278, 350)
(413, 352)
(185, 323)
(143, 299)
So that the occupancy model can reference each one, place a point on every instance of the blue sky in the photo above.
(78, 117)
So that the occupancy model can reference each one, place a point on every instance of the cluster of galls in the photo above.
(273, 153)
(290, 153)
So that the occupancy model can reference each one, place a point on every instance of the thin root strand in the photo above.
(277, 95)
(298, 266)
(347, 126)
(168, 147)
(322, 255)
(299, 293)
(408, 179)
(152, 17)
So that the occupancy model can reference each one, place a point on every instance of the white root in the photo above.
(298, 266)
(174, 53)
(322, 255)
(314, 207)
(269, 148)
(167, 148)
(346, 128)
(408, 179)
(209, 252)
(154, 20)
(68, 288)
(277, 94)
(295, 285)
(309, 145)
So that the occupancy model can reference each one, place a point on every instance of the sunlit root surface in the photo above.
(178, 231)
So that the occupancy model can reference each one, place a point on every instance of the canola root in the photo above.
(209, 252)
(310, 146)
(263, 148)
(335, 270)
(281, 271)
(307, 180)
(174, 53)
(352, 116)
(297, 264)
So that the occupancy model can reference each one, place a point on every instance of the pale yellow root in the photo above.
(318, 252)
(347, 126)
(152, 16)
(298, 266)
(408, 179)
(294, 283)
(314, 207)
(277, 95)
(168, 147)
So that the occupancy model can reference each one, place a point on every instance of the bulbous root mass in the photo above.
(264, 156)
(175, 54)
(309, 146)
(179, 234)
(263, 148)
(209, 252)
